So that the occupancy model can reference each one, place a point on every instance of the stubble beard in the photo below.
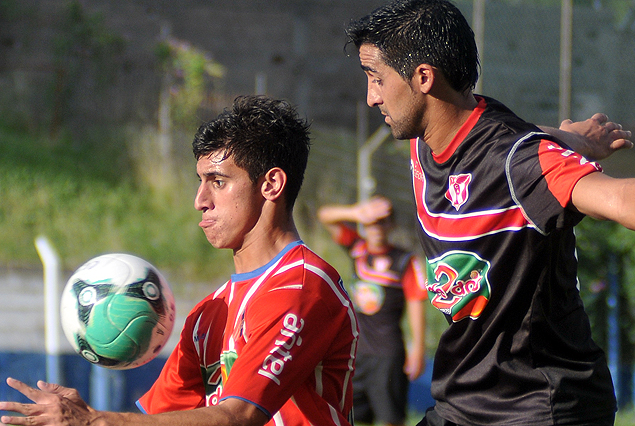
(404, 130)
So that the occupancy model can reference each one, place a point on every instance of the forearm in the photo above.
(603, 197)
(334, 214)
(415, 359)
(415, 311)
(364, 212)
(207, 416)
(56, 405)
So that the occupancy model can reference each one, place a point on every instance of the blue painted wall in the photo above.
(126, 386)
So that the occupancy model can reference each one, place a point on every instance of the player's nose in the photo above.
(373, 98)
(202, 201)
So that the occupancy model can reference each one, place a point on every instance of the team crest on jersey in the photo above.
(458, 189)
(458, 284)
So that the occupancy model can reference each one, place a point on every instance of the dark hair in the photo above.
(413, 32)
(259, 133)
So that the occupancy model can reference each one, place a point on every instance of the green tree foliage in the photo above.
(192, 76)
(87, 202)
(606, 248)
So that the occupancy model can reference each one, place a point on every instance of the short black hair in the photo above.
(409, 33)
(259, 133)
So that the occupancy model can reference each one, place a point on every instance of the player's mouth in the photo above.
(206, 223)
(386, 116)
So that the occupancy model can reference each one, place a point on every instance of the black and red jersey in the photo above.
(382, 283)
(497, 229)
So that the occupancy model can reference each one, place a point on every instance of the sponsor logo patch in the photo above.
(458, 284)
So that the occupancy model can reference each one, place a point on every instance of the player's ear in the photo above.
(273, 184)
(424, 77)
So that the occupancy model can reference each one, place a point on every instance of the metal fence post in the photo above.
(51, 263)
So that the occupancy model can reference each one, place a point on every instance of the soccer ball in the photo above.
(117, 311)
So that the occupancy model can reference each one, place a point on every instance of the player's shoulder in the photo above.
(499, 122)
(303, 265)
(211, 301)
(305, 255)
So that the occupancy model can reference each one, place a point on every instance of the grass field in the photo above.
(88, 200)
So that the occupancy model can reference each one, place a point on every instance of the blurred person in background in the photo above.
(387, 281)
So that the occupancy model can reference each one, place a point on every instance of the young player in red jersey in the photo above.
(276, 344)
(497, 200)
(388, 281)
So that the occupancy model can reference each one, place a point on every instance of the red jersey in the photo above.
(191, 374)
(290, 338)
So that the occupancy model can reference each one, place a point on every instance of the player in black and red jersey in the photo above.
(497, 199)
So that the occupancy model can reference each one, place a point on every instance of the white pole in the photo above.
(261, 83)
(51, 263)
(365, 181)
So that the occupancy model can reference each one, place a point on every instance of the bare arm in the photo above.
(364, 212)
(59, 406)
(604, 197)
(415, 359)
(595, 138)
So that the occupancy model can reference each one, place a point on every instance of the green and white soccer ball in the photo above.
(117, 311)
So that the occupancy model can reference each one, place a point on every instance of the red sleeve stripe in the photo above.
(562, 169)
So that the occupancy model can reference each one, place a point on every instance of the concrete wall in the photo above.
(297, 46)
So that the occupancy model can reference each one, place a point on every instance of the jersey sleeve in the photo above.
(542, 174)
(288, 333)
(180, 385)
(347, 236)
(413, 281)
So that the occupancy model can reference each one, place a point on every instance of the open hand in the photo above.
(599, 137)
(373, 209)
(53, 405)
